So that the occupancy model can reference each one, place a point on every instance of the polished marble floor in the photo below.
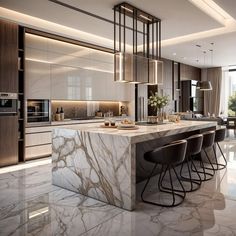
(31, 205)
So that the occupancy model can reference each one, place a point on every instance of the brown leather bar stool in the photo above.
(208, 142)
(194, 146)
(219, 137)
(168, 157)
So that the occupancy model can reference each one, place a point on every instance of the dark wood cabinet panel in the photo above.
(188, 72)
(8, 140)
(185, 95)
(8, 57)
(167, 74)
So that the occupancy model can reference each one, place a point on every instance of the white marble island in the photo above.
(102, 162)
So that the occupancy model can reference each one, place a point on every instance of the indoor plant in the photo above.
(158, 102)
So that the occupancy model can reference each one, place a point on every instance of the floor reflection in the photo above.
(30, 205)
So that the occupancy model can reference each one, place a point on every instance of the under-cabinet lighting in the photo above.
(38, 212)
(144, 17)
(127, 9)
(82, 101)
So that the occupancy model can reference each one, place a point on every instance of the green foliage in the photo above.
(232, 103)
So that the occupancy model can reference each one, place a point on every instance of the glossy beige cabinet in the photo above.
(38, 142)
(61, 71)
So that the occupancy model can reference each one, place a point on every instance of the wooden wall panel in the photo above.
(8, 57)
(8, 140)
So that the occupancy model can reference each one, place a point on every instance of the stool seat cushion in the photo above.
(173, 153)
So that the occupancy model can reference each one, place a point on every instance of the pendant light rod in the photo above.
(143, 66)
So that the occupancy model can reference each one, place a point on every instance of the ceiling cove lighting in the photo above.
(40, 24)
(213, 10)
(140, 66)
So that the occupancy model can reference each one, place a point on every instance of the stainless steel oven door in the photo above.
(8, 103)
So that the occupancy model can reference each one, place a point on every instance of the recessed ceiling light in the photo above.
(174, 53)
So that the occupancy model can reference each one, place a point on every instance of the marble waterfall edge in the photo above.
(96, 165)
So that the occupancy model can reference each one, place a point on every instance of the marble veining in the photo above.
(101, 163)
(81, 160)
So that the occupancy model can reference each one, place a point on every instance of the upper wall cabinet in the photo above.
(60, 70)
(8, 57)
(188, 72)
(166, 87)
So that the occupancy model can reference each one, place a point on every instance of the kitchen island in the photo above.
(102, 163)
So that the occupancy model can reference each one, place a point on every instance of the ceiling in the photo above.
(183, 25)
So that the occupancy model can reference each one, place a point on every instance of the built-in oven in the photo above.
(8, 103)
(38, 111)
(8, 129)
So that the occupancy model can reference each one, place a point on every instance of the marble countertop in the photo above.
(72, 122)
(144, 133)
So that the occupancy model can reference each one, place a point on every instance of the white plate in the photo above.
(127, 125)
(128, 128)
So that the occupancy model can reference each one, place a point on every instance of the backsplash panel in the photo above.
(78, 109)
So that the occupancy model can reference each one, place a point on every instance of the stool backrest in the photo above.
(173, 153)
(194, 144)
(208, 139)
(220, 135)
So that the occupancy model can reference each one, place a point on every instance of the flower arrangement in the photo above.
(157, 101)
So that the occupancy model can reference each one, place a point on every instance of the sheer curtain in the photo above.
(212, 98)
(224, 95)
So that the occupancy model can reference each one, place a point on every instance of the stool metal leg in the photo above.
(219, 165)
(171, 190)
(207, 175)
(190, 179)
(145, 186)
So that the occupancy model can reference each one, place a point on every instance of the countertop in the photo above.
(144, 133)
(72, 121)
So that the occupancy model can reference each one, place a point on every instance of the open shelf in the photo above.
(21, 97)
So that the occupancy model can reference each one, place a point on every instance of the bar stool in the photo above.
(194, 146)
(208, 142)
(219, 136)
(167, 156)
